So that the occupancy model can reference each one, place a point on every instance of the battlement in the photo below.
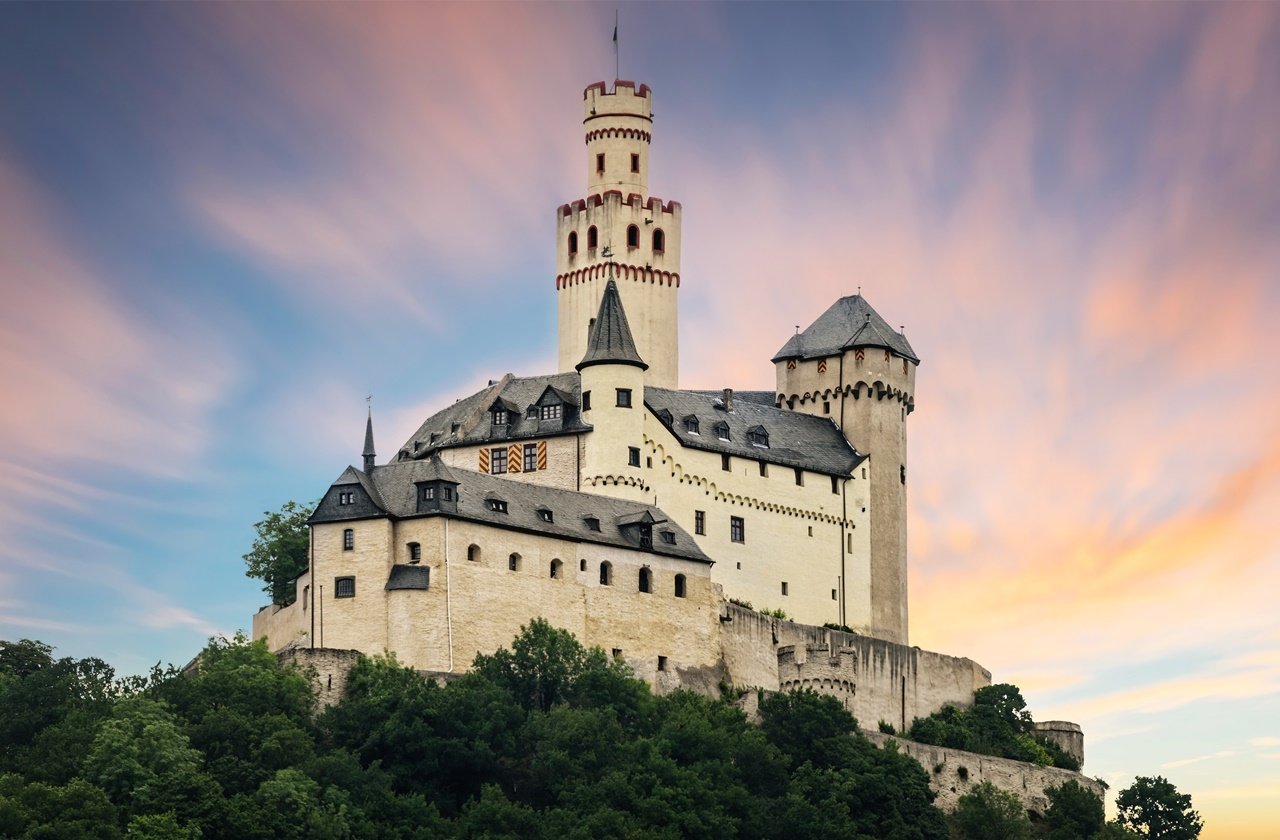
(633, 200)
(621, 88)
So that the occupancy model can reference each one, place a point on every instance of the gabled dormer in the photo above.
(503, 415)
(638, 528)
(436, 489)
(553, 410)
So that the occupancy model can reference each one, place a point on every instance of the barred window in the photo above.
(344, 587)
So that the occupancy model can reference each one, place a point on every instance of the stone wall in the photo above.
(1069, 736)
(876, 680)
(327, 667)
(953, 773)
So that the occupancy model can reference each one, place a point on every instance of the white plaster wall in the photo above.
(562, 461)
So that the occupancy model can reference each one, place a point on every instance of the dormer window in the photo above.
(592, 523)
(453, 428)
(435, 436)
(428, 494)
(722, 430)
(446, 493)
(669, 537)
(665, 417)
(500, 417)
(691, 425)
(545, 515)
(758, 437)
(550, 412)
(346, 497)
(496, 505)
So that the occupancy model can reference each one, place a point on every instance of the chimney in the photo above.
(728, 400)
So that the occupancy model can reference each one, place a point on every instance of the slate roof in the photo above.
(395, 488)
(408, 577)
(472, 417)
(849, 323)
(610, 341)
(795, 439)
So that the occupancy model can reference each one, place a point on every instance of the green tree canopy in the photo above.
(988, 813)
(279, 553)
(1074, 812)
(1155, 809)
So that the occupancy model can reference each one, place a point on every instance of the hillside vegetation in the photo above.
(544, 740)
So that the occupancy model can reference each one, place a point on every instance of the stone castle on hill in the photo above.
(642, 517)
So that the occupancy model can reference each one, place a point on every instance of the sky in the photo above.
(223, 226)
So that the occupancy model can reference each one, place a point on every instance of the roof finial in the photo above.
(369, 454)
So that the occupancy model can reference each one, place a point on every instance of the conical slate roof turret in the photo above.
(610, 341)
(369, 454)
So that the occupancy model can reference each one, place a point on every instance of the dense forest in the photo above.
(546, 739)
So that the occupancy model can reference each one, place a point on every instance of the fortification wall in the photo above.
(328, 668)
(953, 773)
(876, 680)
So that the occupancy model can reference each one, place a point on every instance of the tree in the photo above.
(1074, 812)
(988, 813)
(279, 554)
(1154, 809)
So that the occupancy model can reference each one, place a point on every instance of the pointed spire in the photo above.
(610, 341)
(369, 453)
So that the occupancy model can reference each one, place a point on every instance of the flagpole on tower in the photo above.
(617, 72)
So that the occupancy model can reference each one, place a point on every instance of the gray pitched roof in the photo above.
(396, 487)
(408, 577)
(795, 440)
(849, 323)
(472, 417)
(610, 342)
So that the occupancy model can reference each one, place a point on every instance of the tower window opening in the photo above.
(835, 484)
(513, 563)
(633, 236)
(344, 587)
(826, 406)
(646, 580)
(556, 566)
(700, 522)
(348, 539)
(659, 241)
(415, 552)
(725, 463)
(635, 162)
(606, 574)
(633, 456)
(573, 242)
(799, 477)
(764, 470)
(586, 400)
(662, 663)
(600, 163)
(582, 565)
(737, 529)
(784, 588)
(473, 553)
(624, 397)
(593, 238)
(680, 586)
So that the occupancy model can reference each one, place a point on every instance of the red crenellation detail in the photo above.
(608, 193)
(580, 205)
(624, 271)
(633, 198)
(595, 86)
(564, 209)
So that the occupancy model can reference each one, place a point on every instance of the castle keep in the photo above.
(642, 517)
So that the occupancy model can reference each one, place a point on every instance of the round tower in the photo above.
(618, 230)
(853, 368)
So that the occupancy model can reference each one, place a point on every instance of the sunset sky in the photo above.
(223, 226)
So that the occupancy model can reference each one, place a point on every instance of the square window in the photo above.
(737, 529)
(624, 398)
(498, 461)
(344, 587)
(633, 456)
(531, 456)
(699, 522)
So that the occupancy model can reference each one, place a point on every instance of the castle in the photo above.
(644, 518)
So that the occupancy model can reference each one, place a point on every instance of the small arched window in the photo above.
(606, 574)
(473, 553)
(513, 563)
(646, 580)
(573, 242)
(593, 238)
(633, 236)
(659, 241)
(680, 586)
(556, 569)
(582, 565)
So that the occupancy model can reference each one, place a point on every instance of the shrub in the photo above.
(987, 813)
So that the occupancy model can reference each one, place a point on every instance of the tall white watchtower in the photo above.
(620, 231)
